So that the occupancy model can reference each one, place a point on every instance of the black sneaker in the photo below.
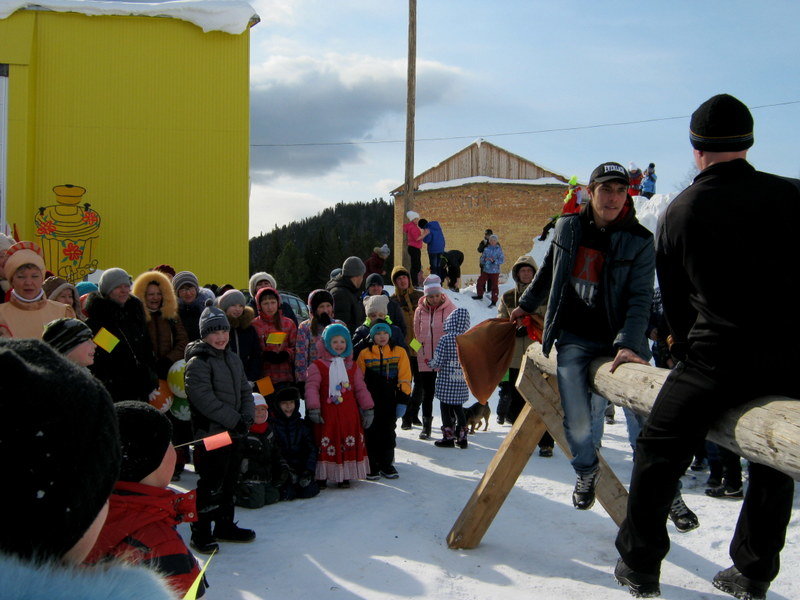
(732, 582)
(640, 585)
(583, 496)
(373, 476)
(546, 452)
(390, 472)
(230, 532)
(725, 491)
(343, 485)
(477, 297)
(405, 426)
(492, 305)
(203, 543)
(500, 420)
(610, 420)
(682, 516)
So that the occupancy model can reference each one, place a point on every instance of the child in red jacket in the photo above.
(143, 513)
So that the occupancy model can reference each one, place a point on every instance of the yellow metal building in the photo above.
(146, 120)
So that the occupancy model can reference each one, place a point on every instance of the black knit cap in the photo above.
(374, 279)
(213, 319)
(316, 298)
(144, 435)
(721, 124)
(66, 334)
(59, 449)
(287, 394)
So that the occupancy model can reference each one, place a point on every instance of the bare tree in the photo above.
(689, 177)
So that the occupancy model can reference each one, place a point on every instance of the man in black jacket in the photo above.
(346, 291)
(701, 259)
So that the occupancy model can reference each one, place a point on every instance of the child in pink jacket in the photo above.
(340, 406)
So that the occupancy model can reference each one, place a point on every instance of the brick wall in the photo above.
(515, 212)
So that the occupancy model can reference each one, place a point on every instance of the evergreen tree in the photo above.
(290, 269)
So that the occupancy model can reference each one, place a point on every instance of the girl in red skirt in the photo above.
(339, 405)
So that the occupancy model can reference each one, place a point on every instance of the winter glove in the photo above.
(305, 479)
(272, 357)
(367, 416)
(400, 411)
(283, 356)
(315, 416)
(241, 428)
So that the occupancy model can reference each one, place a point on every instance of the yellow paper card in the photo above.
(415, 344)
(265, 387)
(191, 593)
(106, 340)
(276, 337)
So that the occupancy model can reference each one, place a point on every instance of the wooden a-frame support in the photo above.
(542, 412)
(765, 430)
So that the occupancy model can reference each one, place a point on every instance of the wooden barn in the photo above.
(482, 186)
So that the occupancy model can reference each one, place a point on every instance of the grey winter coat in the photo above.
(217, 388)
(628, 277)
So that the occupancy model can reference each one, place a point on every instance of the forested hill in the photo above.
(302, 254)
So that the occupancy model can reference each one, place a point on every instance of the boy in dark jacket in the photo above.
(143, 513)
(263, 471)
(297, 446)
(221, 400)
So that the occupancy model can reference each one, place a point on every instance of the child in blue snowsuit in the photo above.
(451, 387)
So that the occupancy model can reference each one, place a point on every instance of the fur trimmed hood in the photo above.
(244, 321)
(169, 302)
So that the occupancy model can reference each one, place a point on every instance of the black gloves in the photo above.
(241, 428)
(276, 357)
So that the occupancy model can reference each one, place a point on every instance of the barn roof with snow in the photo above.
(483, 162)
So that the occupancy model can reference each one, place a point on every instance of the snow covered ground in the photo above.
(387, 539)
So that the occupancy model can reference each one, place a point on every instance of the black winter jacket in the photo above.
(347, 306)
(294, 438)
(217, 388)
(129, 371)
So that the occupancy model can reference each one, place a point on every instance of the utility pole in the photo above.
(411, 100)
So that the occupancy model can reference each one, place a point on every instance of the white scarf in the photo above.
(338, 381)
(21, 299)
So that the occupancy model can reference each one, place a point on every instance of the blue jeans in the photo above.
(583, 409)
(435, 260)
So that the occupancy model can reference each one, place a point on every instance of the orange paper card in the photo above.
(220, 440)
(265, 387)
(276, 337)
(106, 340)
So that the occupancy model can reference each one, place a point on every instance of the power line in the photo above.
(504, 134)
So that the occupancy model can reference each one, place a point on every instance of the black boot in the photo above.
(202, 541)
(731, 581)
(683, 517)
(640, 585)
(426, 428)
(228, 531)
(462, 438)
(448, 439)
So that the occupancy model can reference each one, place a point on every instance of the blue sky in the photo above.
(325, 71)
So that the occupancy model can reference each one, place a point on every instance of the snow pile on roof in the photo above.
(438, 185)
(229, 16)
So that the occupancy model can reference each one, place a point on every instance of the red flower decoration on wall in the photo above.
(73, 251)
(90, 217)
(46, 228)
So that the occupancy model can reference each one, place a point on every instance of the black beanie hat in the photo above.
(212, 319)
(66, 334)
(59, 449)
(287, 394)
(316, 298)
(374, 279)
(144, 435)
(721, 124)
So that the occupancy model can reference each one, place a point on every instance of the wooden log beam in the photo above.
(497, 481)
(765, 430)
(542, 393)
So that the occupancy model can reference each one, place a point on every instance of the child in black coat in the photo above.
(296, 442)
(263, 471)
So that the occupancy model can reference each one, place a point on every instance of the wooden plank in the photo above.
(542, 392)
(497, 481)
(765, 430)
